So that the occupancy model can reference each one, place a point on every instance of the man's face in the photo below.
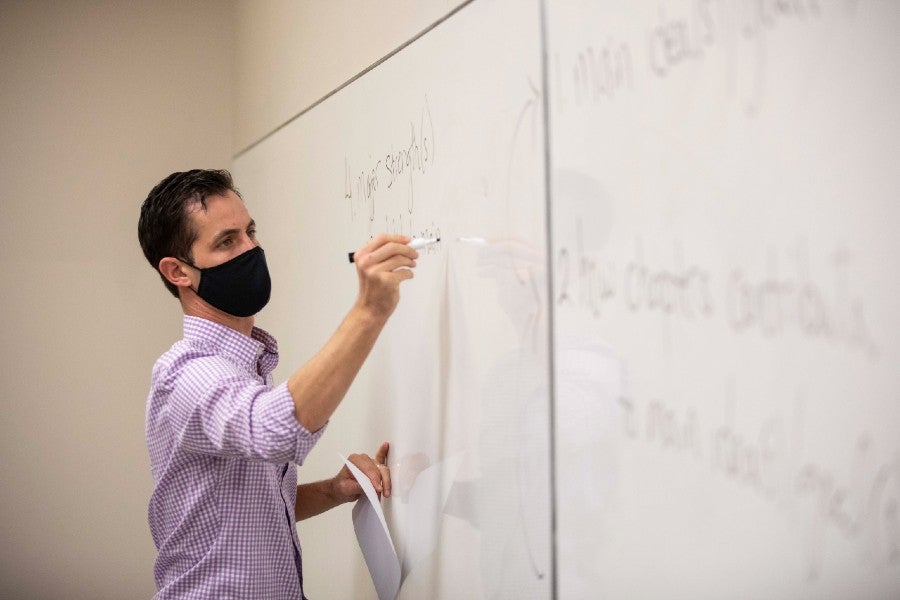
(224, 230)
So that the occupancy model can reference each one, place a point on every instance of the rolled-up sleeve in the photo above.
(225, 413)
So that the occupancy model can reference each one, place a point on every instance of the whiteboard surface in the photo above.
(725, 213)
(723, 216)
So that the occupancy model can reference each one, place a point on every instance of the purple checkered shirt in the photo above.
(224, 445)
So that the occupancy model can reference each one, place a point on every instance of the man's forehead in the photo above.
(220, 212)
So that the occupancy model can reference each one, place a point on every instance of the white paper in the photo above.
(375, 539)
(426, 503)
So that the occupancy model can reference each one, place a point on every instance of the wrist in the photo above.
(331, 490)
(368, 316)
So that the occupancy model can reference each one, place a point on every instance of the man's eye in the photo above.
(225, 243)
(252, 233)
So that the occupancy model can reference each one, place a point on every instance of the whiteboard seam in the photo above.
(340, 87)
(551, 361)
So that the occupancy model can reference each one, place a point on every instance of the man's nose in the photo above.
(248, 243)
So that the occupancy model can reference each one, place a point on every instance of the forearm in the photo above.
(314, 499)
(318, 387)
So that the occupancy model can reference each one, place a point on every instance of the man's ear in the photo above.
(174, 272)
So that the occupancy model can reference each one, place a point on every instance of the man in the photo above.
(224, 441)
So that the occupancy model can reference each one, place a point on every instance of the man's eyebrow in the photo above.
(226, 232)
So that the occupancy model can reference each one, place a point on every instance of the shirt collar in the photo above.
(257, 353)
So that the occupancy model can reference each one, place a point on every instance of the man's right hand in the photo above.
(382, 265)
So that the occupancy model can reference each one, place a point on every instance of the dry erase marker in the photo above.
(415, 244)
(419, 243)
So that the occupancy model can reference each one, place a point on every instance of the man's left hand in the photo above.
(344, 486)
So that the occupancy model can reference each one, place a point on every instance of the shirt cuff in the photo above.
(305, 440)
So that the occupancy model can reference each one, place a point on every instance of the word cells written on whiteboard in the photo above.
(683, 33)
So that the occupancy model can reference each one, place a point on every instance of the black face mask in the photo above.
(240, 286)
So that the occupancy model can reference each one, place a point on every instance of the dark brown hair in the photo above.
(164, 228)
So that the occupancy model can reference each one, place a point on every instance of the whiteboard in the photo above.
(720, 307)
(444, 139)
(724, 213)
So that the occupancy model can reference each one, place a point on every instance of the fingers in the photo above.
(378, 474)
(381, 462)
(381, 455)
(393, 250)
(385, 480)
(381, 239)
(388, 255)
(382, 265)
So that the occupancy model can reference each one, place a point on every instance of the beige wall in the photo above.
(290, 54)
(99, 100)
